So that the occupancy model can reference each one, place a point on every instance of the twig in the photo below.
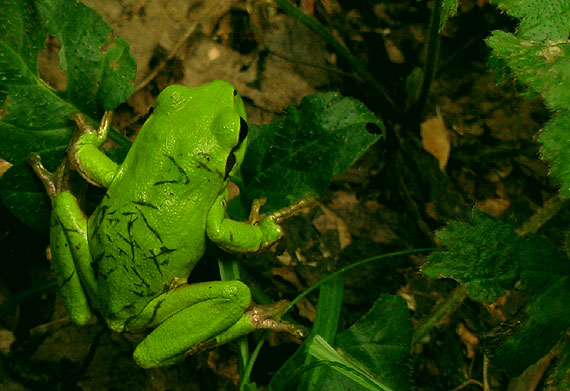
(468, 383)
(486, 386)
(541, 217)
(441, 311)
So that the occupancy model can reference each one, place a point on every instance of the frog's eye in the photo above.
(242, 130)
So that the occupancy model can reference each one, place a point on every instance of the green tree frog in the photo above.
(131, 259)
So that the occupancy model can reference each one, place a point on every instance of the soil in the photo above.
(472, 146)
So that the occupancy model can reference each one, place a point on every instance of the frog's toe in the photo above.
(47, 178)
(271, 230)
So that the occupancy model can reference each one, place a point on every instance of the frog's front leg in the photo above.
(238, 236)
(84, 153)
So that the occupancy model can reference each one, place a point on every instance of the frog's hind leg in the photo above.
(186, 316)
(68, 242)
(196, 316)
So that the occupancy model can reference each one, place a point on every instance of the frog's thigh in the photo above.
(203, 311)
(70, 255)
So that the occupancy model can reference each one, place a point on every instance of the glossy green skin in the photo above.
(132, 257)
(153, 217)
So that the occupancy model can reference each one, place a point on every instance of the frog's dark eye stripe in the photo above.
(230, 163)
(242, 130)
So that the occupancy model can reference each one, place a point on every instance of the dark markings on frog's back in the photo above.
(102, 211)
(184, 181)
(132, 241)
(165, 251)
(143, 203)
(155, 261)
(130, 223)
(154, 312)
(129, 242)
(65, 229)
(137, 293)
(180, 169)
(127, 307)
(153, 230)
(67, 279)
(205, 167)
(106, 275)
(136, 272)
(164, 182)
(95, 265)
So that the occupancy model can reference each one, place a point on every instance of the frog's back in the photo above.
(138, 250)
(149, 230)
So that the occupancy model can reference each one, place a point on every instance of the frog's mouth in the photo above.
(232, 160)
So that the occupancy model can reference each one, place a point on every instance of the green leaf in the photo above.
(380, 342)
(489, 258)
(373, 354)
(35, 118)
(300, 154)
(539, 57)
(540, 19)
(560, 378)
(543, 322)
(326, 324)
(448, 9)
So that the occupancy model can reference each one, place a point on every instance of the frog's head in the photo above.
(205, 125)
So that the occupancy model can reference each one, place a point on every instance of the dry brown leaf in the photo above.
(435, 139)
(4, 166)
(493, 206)
(468, 338)
(329, 221)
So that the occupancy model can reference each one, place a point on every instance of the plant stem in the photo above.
(339, 48)
(431, 58)
(441, 311)
(541, 217)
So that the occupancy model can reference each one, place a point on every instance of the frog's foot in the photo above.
(82, 127)
(51, 181)
(262, 317)
(269, 317)
(257, 317)
(84, 154)
(307, 201)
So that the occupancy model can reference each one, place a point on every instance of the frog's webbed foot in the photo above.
(82, 127)
(54, 182)
(307, 201)
(268, 317)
